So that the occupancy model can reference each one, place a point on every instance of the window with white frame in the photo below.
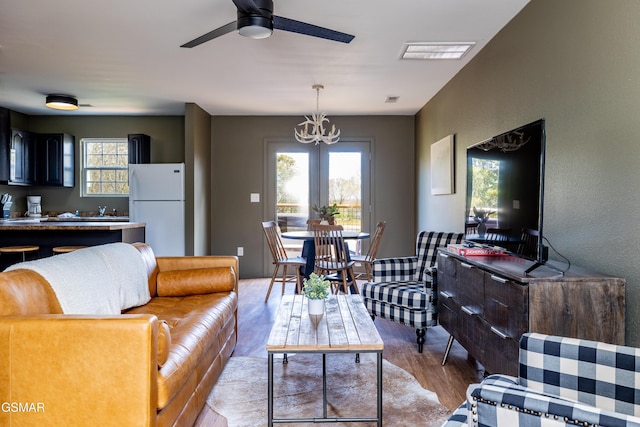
(105, 167)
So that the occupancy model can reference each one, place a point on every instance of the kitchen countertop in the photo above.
(37, 224)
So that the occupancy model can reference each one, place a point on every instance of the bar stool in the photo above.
(66, 249)
(19, 249)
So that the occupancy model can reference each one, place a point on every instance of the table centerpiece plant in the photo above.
(327, 212)
(316, 289)
(481, 216)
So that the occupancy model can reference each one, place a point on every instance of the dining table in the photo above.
(308, 247)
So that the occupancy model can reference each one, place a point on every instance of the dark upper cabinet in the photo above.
(22, 158)
(5, 143)
(56, 160)
(41, 159)
(139, 148)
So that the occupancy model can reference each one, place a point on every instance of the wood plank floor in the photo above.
(255, 318)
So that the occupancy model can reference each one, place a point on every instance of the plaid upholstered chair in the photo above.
(403, 289)
(562, 381)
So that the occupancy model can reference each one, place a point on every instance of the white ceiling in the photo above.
(123, 57)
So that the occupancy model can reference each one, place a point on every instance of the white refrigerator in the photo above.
(156, 196)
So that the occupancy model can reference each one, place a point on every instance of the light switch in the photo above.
(255, 197)
(516, 204)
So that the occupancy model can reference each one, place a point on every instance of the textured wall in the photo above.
(238, 170)
(575, 63)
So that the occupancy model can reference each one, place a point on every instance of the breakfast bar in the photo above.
(49, 234)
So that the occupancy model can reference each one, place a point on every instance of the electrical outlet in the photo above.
(240, 251)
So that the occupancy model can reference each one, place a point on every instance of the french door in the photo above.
(300, 176)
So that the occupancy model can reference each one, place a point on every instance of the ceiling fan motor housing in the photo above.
(256, 25)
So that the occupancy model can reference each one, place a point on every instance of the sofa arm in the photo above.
(394, 269)
(514, 405)
(60, 370)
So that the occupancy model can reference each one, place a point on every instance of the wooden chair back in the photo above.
(529, 245)
(498, 234)
(311, 223)
(375, 241)
(331, 252)
(274, 241)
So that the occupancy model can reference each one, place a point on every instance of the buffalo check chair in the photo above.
(280, 258)
(403, 289)
(561, 382)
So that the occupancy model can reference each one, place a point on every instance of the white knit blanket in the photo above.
(97, 280)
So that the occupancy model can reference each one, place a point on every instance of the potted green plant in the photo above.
(481, 216)
(327, 212)
(316, 289)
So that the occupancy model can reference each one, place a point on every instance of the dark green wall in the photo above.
(167, 145)
(238, 170)
(575, 63)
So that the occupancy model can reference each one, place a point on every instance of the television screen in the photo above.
(505, 186)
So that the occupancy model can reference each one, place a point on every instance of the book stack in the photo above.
(464, 250)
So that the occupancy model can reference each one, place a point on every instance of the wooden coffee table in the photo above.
(346, 327)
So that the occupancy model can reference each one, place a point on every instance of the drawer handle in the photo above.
(445, 294)
(468, 311)
(443, 255)
(499, 279)
(499, 333)
(465, 265)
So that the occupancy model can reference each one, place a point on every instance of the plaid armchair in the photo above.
(404, 289)
(562, 381)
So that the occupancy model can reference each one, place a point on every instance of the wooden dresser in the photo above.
(487, 302)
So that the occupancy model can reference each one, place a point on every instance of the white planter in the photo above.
(316, 306)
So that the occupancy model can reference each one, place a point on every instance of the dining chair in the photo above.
(332, 258)
(280, 258)
(471, 228)
(312, 223)
(528, 246)
(498, 234)
(367, 260)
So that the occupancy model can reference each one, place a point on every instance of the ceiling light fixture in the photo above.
(62, 102)
(427, 50)
(317, 126)
(256, 24)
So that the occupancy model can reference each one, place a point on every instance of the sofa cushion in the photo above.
(176, 283)
(195, 323)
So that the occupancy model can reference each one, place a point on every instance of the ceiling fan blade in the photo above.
(247, 7)
(294, 26)
(231, 26)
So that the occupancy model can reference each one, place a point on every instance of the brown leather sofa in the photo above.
(152, 365)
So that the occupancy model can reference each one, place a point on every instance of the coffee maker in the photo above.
(34, 209)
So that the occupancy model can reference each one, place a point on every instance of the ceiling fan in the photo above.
(256, 20)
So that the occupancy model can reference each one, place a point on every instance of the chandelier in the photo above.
(508, 142)
(316, 122)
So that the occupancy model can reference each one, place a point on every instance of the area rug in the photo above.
(240, 395)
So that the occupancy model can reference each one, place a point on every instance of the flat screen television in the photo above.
(505, 177)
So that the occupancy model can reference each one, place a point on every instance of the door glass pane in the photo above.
(292, 196)
(345, 188)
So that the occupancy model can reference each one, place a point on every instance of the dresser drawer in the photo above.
(503, 354)
(447, 265)
(506, 305)
(471, 283)
(448, 314)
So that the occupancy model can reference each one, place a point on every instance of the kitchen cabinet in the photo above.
(22, 158)
(487, 303)
(139, 148)
(5, 143)
(56, 160)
